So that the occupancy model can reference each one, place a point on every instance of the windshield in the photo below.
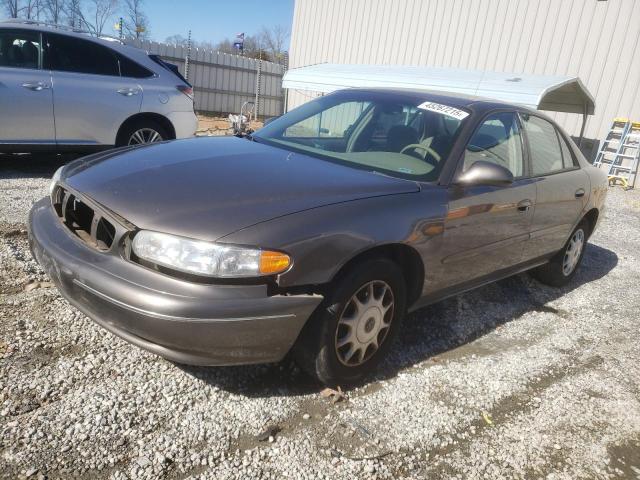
(398, 135)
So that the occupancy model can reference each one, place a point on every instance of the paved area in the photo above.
(514, 380)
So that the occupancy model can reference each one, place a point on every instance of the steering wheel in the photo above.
(427, 150)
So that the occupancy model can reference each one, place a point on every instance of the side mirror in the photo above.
(486, 173)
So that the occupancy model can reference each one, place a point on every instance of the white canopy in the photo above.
(540, 92)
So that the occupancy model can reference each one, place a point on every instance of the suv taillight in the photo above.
(187, 90)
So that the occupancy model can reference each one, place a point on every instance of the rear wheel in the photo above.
(353, 329)
(142, 132)
(564, 265)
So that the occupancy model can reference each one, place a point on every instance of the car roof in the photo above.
(139, 55)
(110, 42)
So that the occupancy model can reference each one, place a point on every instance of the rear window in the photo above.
(546, 154)
(169, 67)
(131, 69)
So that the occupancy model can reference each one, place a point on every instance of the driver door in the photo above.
(487, 227)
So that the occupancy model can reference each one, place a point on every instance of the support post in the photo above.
(256, 106)
(186, 60)
(585, 113)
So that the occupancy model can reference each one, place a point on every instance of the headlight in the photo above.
(206, 258)
(54, 180)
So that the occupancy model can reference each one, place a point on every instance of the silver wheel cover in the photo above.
(364, 323)
(573, 252)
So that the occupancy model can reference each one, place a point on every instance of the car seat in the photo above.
(14, 56)
(29, 55)
(399, 136)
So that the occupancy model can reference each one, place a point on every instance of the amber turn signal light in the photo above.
(273, 262)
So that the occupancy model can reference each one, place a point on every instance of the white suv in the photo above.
(68, 91)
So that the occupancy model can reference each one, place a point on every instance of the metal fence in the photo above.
(223, 82)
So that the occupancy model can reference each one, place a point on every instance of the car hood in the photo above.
(209, 187)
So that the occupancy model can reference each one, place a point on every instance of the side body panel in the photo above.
(321, 241)
(562, 198)
(89, 109)
(486, 230)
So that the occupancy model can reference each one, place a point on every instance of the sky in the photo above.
(215, 20)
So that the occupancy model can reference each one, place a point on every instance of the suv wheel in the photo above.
(564, 265)
(354, 327)
(141, 133)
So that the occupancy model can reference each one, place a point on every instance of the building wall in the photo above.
(595, 40)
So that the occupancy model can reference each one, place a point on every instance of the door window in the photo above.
(19, 49)
(568, 160)
(70, 54)
(546, 153)
(498, 141)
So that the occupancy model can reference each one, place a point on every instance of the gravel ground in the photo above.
(514, 380)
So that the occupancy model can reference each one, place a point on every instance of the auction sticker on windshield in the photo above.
(444, 109)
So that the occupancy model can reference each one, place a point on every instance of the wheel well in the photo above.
(155, 117)
(592, 218)
(405, 256)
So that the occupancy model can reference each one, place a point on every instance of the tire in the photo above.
(317, 350)
(143, 127)
(555, 273)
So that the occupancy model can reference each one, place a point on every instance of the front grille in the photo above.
(85, 222)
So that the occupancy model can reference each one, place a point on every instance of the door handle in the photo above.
(524, 205)
(128, 92)
(580, 193)
(36, 86)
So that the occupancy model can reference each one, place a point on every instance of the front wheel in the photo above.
(564, 265)
(353, 328)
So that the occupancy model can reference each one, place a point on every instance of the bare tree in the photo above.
(73, 11)
(176, 40)
(11, 7)
(31, 11)
(53, 10)
(136, 23)
(252, 47)
(273, 40)
(100, 12)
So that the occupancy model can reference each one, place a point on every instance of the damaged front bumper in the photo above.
(185, 322)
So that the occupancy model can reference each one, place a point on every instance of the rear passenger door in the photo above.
(90, 97)
(561, 186)
(26, 102)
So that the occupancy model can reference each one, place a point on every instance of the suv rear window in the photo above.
(169, 67)
(131, 69)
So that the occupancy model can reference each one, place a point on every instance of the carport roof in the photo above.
(540, 92)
